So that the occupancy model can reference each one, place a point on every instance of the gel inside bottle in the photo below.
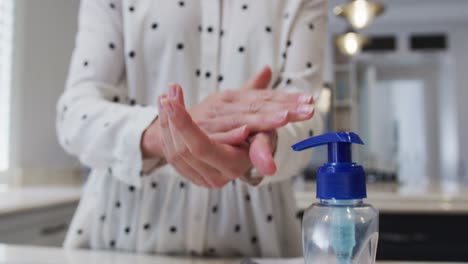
(340, 228)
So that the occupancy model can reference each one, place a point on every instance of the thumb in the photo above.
(260, 153)
(260, 80)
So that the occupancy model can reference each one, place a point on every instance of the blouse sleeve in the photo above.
(302, 72)
(95, 119)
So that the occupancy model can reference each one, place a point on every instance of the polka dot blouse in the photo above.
(126, 54)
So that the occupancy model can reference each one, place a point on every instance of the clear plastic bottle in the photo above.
(341, 232)
(340, 228)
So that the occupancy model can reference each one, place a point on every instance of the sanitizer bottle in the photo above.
(340, 228)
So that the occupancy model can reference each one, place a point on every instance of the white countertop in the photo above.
(17, 199)
(42, 255)
(388, 198)
(394, 198)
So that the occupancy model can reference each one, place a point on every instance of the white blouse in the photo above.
(126, 54)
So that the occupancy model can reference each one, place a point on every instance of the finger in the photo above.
(232, 96)
(260, 80)
(297, 111)
(169, 148)
(254, 122)
(261, 154)
(200, 145)
(176, 93)
(232, 137)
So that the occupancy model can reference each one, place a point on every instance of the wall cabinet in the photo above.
(45, 226)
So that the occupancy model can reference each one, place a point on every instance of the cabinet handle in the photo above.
(404, 238)
(51, 230)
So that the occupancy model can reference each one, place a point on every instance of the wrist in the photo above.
(151, 147)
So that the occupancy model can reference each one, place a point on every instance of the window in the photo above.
(6, 51)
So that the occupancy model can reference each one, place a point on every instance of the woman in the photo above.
(197, 167)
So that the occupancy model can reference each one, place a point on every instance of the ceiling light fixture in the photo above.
(350, 43)
(359, 13)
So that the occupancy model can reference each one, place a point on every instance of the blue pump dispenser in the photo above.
(340, 178)
(341, 186)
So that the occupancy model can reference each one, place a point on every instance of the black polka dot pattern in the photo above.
(131, 54)
(311, 26)
(173, 229)
(269, 218)
(299, 215)
(180, 46)
(245, 7)
(220, 78)
(211, 250)
(79, 231)
(288, 43)
(253, 239)
(132, 102)
(309, 64)
(288, 81)
(112, 243)
(84, 117)
(181, 3)
(111, 46)
(116, 99)
(284, 55)
(154, 25)
(209, 29)
(268, 29)
(311, 133)
(154, 185)
(200, 28)
(237, 228)
(142, 173)
(182, 185)
(247, 197)
(127, 230)
(241, 49)
(197, 72)
(146, 226)
(131, 188)
(131, 8)
(117, 204)
(85, 63)
(207, 74)
(112, 5)
(214, 209)
(102, 218)
(221, 33)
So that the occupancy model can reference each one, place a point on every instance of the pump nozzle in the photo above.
(340, 178)
(339, 145)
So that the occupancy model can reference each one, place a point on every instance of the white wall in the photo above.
(459, 40)
(44, 39)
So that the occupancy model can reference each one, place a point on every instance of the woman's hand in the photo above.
(258, 109)
(191, 152)
(229, 116)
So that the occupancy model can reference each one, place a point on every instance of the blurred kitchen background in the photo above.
(400, 81)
